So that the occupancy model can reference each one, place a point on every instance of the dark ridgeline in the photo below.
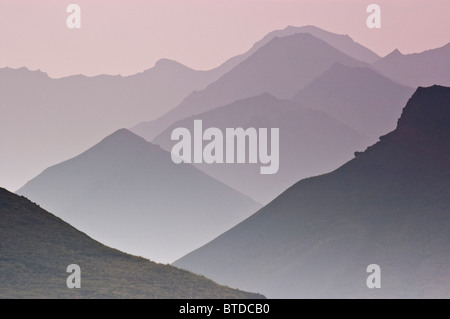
(388, 206)
(128, 194)
(36, 247)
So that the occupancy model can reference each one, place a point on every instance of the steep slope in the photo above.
(281, 67)
(55, 110)
(36, 248)
(389, 206)
(419, 69)
(128, 194)
(311, 143)
(359, 97)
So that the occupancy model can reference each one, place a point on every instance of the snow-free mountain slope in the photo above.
(418, 69)
(45, 121)
(359, 97)
(128, 194)
(311, 143)
(389, 206)
(36, 248)
(281, 67)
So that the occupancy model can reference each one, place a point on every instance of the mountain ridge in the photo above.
(430, 67)
(36, 248)
(281, 67)
(360, 97)
(311, 142)
(388, 206)
(128, 194)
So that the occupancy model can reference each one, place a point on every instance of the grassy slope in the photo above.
(36, 248)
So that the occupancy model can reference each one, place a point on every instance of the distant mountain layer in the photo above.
(281, 67)
(36, 248)
(67, 115)
(362, 103)
(359, 97)
(128, 194)
(311, 143)
(389, 206)
(55, 109)
(342, 42)
(418, 69)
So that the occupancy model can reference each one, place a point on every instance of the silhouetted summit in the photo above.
(389, 206)
(428, 112)
(128, 194)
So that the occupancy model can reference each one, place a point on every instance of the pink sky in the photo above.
(129, 36)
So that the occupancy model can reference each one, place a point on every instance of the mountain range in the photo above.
(418, 69)
(388, 206)
(359, 97)
(128, 194)
(311, 143)
(281, 67)
(342, 111)
(67, 115)
(36, 248)
(329, 96)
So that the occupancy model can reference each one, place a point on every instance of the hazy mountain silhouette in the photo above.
(341, 42)
(55, 109)
(388, 206)
(418, 69)
(311, 143)
(281, 67)
(36, 247)
(365, 100)
(45, 120)
(128, 194)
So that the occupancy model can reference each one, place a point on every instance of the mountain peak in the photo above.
(168, 63)
(395, 53)
(390, 204)
(123, 140)
(124, 134)
(298, 37)
(428, 111)
(343, 43)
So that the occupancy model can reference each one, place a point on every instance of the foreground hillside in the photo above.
(36, 248)
(389, 206)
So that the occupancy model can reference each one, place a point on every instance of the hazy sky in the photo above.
(128, 36)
